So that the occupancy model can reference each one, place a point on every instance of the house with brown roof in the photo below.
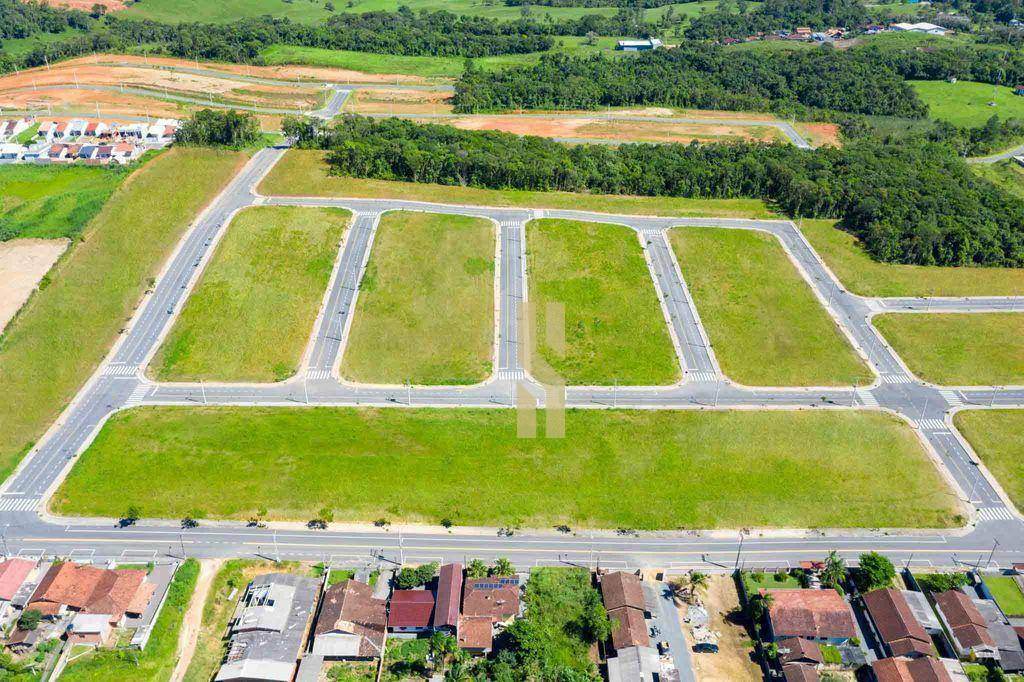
(410, 611)
(351, 624)
(818, 615)
(623, 598)
(897, 627)
(967, 627)
(496, 597)
(795, 672)
(802, 651)
(449, 597)
(629, 628)
(922, 669)
(87, 589)
(475, 634)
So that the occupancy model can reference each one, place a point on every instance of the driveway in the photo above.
(665, 616)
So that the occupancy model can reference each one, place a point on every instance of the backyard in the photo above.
(616, 469)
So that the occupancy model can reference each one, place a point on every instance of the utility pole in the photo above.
(738, 550)
(181, 540)
(408, 392)
(995, 543)
(718, 388)
(202, 387)
(277, 550)
(305, 388)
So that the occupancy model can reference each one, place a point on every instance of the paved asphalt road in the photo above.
(995, 536)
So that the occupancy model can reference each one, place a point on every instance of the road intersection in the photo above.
(995, 535)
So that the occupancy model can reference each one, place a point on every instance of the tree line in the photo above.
(698, 75)
(736, 22)
(23, 19)
(209, 128)
(907, 203)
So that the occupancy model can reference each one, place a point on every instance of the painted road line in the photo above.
(995, 514)
(18, 503)
(138, 394)
(120, 370)
(952, 397)
(897, 379)
(318, 374)
(932, 425)
(867, 398)
(702, 377)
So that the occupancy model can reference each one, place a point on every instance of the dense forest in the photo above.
(775, 15)
(698, 75)
(210, 128)
(907, 203)
(23, 19)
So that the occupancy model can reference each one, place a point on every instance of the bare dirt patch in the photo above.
(610, 129)
(189, 634)
(399, 102)
(732, 663)
(820, 133)
(111, 105)
(86, 5)
(23, 263)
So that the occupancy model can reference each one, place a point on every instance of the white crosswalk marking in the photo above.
(318, 374)
(932, 424)
(995, 514)
(896, 379)
(17, 503)
(137, 395)
(511, 375)
(867, 399)
(120, 370)
(952, 397)
(702, 377)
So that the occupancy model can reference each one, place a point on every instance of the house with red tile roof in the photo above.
(623, 598)
(411, 611)
(923, 669)
(87, 589)
(352, 623)
(817, 615)
(13, 573)
(449, 597)
(475, 634)
(496, 597)
(966, 625)
(897, 627)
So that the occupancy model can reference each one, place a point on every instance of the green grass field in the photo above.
(252, 313)
(614, 328)
(157, 660)
(1009, 175)
(1007, 593)
(314, 10)
(969, 349)
(52, 201)
(863, 275)
(641, 469)
(17, 47)
(998, 438)
(764, 322)
(426, 305)
(965, 103)
(304, 173)
(65, 329)
(424, 66)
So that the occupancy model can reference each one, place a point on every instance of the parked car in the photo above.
(705, 648)
(663, 647)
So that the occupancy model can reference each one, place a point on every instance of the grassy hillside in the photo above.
(66, 329)
(615, 469)
(965, 103)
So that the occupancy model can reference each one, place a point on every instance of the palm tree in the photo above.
(678, 586)
(759, 605)
(502, 566)
(476, 569)
(835, 570)
(698, 582)
(442, 645)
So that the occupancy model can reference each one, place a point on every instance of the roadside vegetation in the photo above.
(614, 470)
(863, 275)
(66, 328)
(765, 324)
(998, 438)
(958, 349)
(52, 201)
(211, 646)
(157, 660)
(252, 313)
(426, 304)
(614, 330)
(305, 173)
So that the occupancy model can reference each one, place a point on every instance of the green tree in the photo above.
(835, 570)
(502, 566)
(476, 569)
(30, 619)
(875, 571)
(442, 645)
(698, 582)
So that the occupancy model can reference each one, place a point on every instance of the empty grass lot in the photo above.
(49, 202)
(641, 469)
(304, 173)
(863, 275)
(63, 332)
(252, 313)
(965, 103)
(157, 661)
(998, 438)
(426, 304)
(614, 327)
(1008, 595)
(763, 320)
(977, 349)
